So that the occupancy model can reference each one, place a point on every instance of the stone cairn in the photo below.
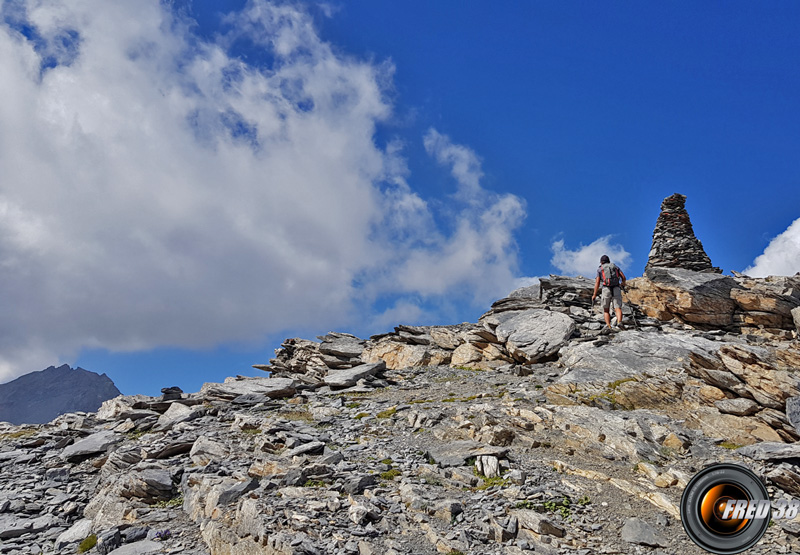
(674, 242)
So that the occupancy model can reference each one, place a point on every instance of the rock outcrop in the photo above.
(529, 431)
(39, 397)
(738, 303)
(674, 241)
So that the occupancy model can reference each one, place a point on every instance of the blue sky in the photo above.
(185, 184)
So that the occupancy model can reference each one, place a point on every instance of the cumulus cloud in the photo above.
(586, 258)
(159, 191)
(781, 257)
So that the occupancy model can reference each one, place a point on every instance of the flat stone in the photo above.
(636, 530)
(633, 353)
(771, 451)
(738, 407)
(91, 445)
(144, 547)
(274, 388)
(456, 453)
(351, 376)
(311, 448)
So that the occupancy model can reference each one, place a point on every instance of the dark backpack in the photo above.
(609, 273)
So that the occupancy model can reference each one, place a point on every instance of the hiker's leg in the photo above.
(606, 300)
(617, 301)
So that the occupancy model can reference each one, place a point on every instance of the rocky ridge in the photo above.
(529, 431)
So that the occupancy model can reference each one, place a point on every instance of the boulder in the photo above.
(535, 334)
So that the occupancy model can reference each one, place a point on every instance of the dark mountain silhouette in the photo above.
(39, 397)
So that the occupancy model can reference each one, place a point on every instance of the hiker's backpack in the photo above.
(610, 274)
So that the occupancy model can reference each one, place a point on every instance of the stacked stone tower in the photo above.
(674, 242)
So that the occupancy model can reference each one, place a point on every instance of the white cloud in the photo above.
(157, 191)
(781, 257)
(585, 260)
(464, 164)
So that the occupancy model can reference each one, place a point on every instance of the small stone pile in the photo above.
(674, 242)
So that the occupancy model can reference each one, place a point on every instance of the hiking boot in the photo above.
(606, 330)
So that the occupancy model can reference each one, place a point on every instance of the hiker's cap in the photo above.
(604, 259)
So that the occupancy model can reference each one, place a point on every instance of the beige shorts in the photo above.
(607, 297)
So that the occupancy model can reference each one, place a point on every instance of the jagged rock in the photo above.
(796, 318)
(674, 242)
(690, 296)
(398, 355)
(786, 477)
(536, 334)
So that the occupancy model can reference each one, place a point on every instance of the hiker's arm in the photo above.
(596, 287)
(624, 279)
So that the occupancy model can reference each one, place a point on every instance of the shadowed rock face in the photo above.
(674, 242)
(39, 397)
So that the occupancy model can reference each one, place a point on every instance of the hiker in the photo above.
(612, 279)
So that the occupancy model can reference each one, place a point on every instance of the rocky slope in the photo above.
(529, 431)
(39, 397)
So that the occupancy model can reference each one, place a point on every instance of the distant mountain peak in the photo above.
(38, 397)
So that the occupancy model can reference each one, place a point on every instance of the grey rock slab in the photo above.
(176, 413)
(351, 376)
(632, 353)
(206, 450)
(76, 533)
(311, 448)
(636, 530)
(793, 411)
(537, 522)
(456, 453)
(771, 451)
(144, 547)
(11, 455)
(274, 388)
(738, 407)
(92, 445)
(796, 318)
(349, 347)
(535, 334)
